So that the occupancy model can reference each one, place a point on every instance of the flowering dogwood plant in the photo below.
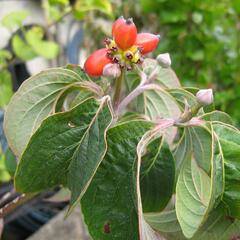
(144, 157)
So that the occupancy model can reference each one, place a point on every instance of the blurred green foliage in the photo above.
(203, 38)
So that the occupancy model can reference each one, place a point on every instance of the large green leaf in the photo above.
(32, 103)
(63, 141)
(157, 176)
(110, 203)
(229, 139)
(192, 197)
(200, 183)
(194, 191)
(217, 226)
(90, 152)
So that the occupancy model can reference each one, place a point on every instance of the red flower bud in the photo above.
(147, 41)
(124, 33)
(95, 63)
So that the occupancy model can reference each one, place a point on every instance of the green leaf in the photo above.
(110, 203)
(217, 116)
(90, 152)
(14, 19)
(165, 77)
(217, 226)
(33, 102)
(47, 49)
(6, 91)
(192, 197)
(157, 176)
(166, 223)
(83, 6)
(10, 162)
(201, 141)
(182, 95)
(182, 149)
(4, 56)
(22, 49)
(200, 183)
(158, 103)
(4, 175)
(61, 143)
(229, 139)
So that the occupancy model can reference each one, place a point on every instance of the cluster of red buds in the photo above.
(125, 49)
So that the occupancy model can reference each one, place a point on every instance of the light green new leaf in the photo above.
(107, 213)
(22, 49)
(14, 19)
(60, 140)
(83, 6)
(46, 49)
(157, 176)
(6, 91)
(32, 103)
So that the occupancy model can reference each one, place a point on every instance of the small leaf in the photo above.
(22, 49)
(14, 19)
(60, 140)
(33, 102)
(47, 49)
(6, 91)
(83, 6)
(4, 56)
(10, 162)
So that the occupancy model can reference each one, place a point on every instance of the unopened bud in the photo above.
(164, 60)
(205, 96)
(112, 70)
